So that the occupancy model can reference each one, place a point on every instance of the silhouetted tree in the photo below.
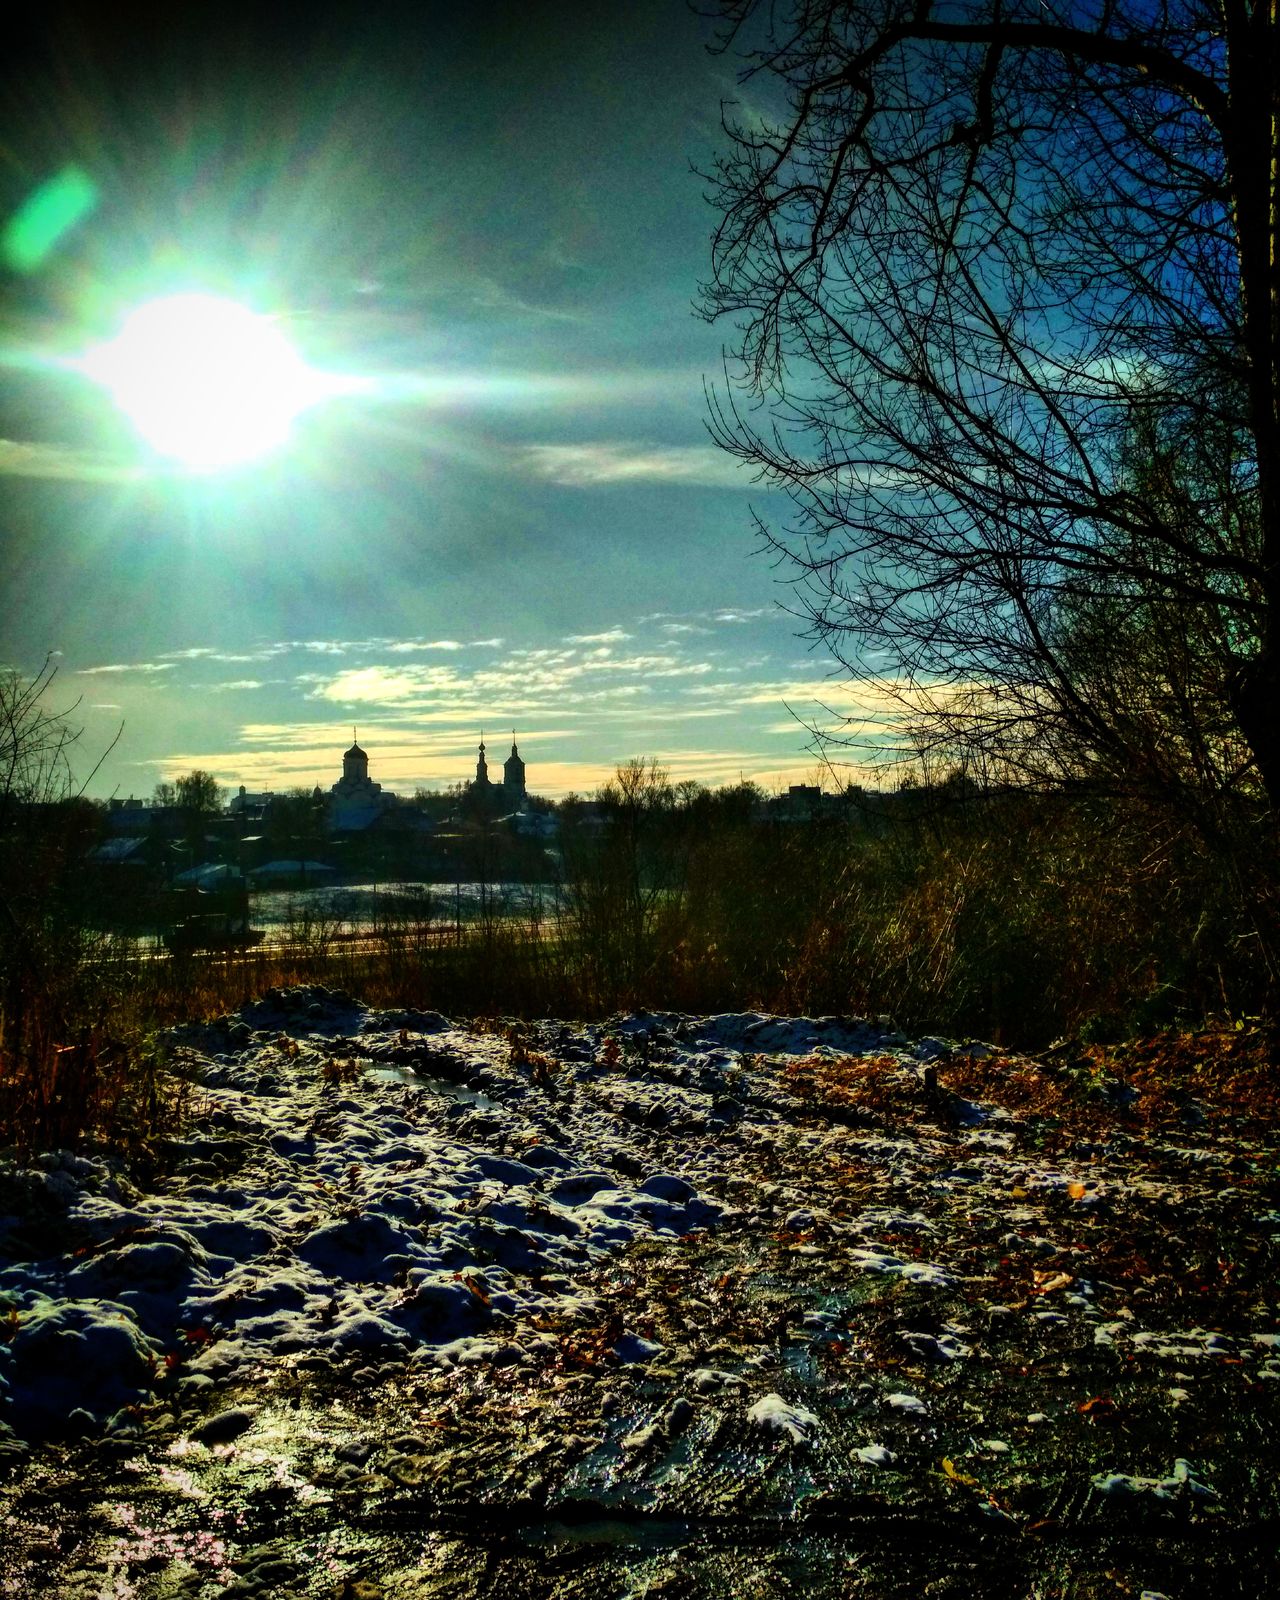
(36, 741)
(1005, 284)
(198, 793)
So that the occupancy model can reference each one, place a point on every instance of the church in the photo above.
(356, 801)
(509, 795)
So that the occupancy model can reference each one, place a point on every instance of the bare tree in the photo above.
(36, 741)
(1005, 283)
(45, 829)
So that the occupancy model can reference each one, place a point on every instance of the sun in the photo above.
(205, 381)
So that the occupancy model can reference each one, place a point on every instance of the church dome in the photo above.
(356, 751)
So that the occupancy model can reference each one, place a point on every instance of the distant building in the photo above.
(805, 802)
(249, 806)
(356, 801)
(510, 794)
(133, 817)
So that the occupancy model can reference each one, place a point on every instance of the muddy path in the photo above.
(995, 1335)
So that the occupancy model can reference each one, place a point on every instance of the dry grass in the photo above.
(98, 1089)
(1017, 921)
(1166, 1081)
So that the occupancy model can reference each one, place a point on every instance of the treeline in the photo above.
(1002, 914)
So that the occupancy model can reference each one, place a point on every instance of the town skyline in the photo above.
(716, 715)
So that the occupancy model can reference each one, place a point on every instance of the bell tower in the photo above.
(513, 789)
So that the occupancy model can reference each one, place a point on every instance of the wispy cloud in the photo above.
(126, 666)
(541, 679)
(21, 459)
(406, 647)
(586, 466)
(380, 644)
(680, 686)
(612, 636)
(692, 621)
(208, 652)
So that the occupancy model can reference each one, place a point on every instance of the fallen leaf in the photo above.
(956, 1476)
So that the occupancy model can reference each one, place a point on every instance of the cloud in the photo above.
(585, 466)
(403, 756)
(236, 683)
(490, 295)
(411, 646)
(326, 647)
(613, 636)
(22, 459)
(126, 666)
(690, 621)
(371, 685)
(208, 652)
(527, 680)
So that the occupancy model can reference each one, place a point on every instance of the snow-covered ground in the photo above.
(652, 1265)
(374, 1184)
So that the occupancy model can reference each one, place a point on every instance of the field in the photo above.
(678, 1305)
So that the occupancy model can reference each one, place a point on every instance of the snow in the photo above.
(909, 1403)
(435, 1207)
(1178, 1485)
(942, 1347)
(414, 1204)
(773, 1413)
(631, 1348)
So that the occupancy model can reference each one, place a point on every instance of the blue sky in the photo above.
(487, 214)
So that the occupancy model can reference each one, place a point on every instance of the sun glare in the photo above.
(205, 381)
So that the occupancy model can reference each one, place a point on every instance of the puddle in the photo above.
(455, 1093)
